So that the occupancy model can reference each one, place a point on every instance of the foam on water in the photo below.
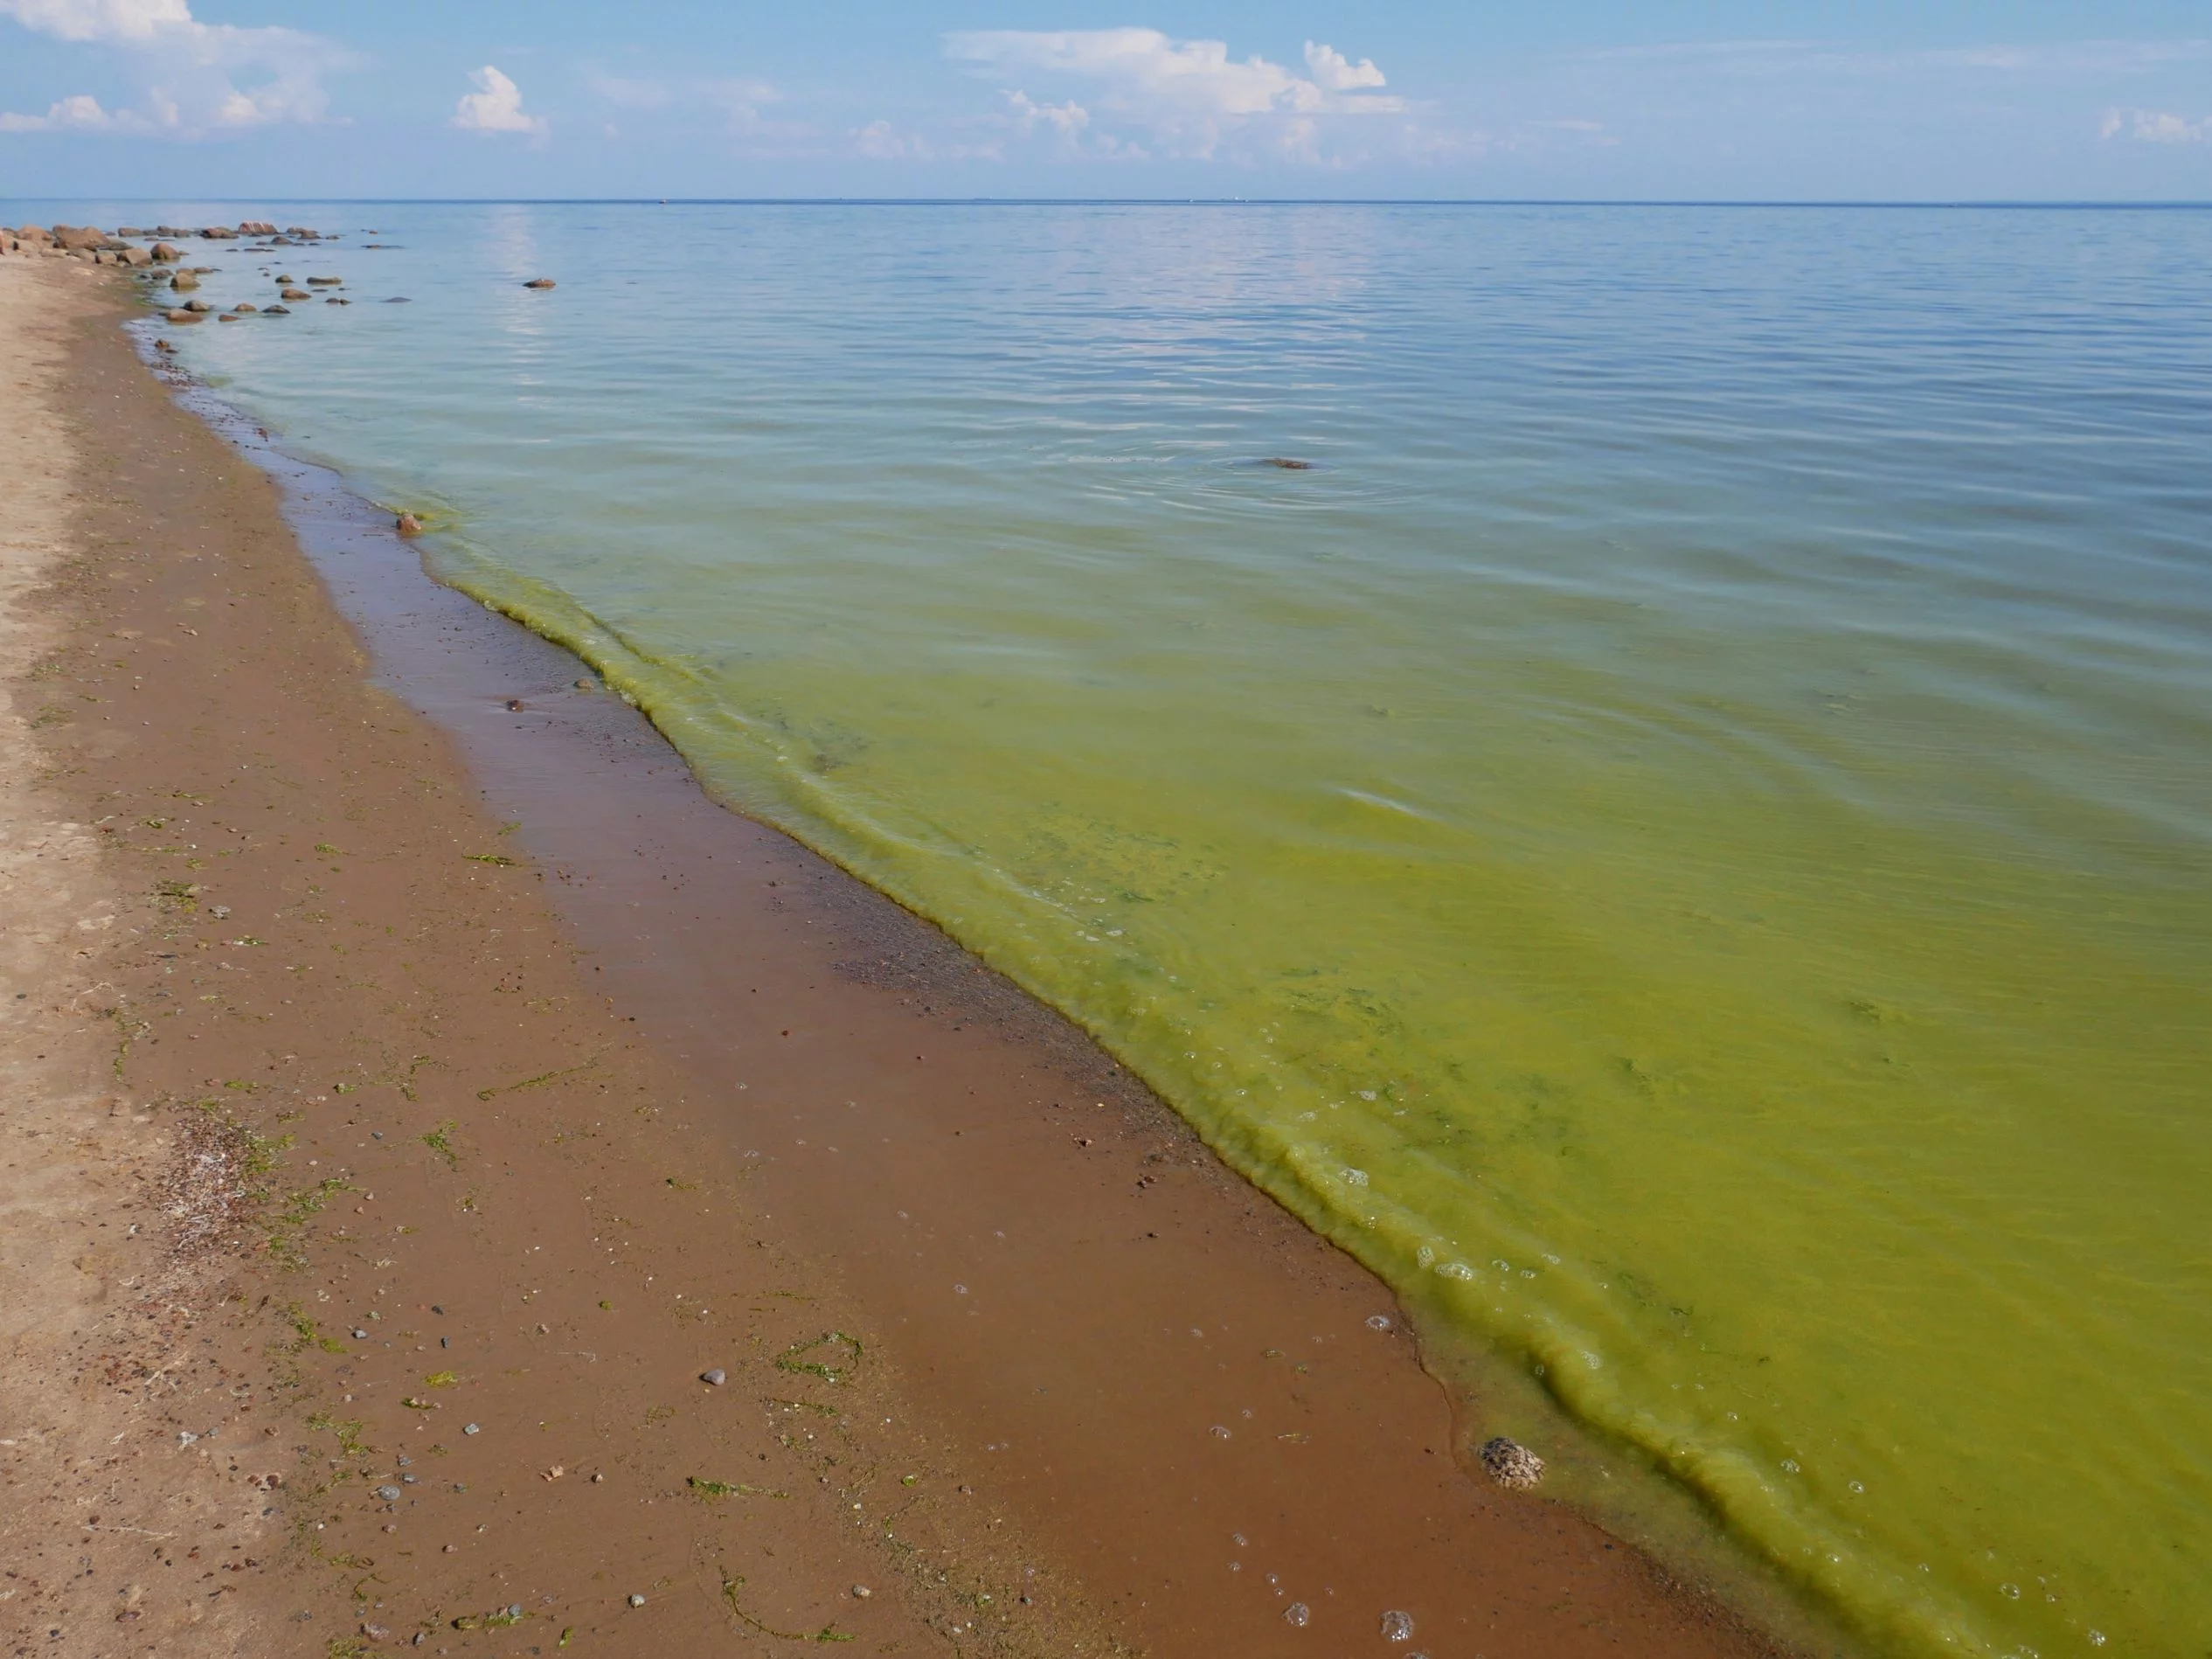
(1684, 839)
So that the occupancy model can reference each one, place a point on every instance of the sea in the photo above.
(1646, 769)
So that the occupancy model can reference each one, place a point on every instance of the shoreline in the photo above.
(1087, 1232)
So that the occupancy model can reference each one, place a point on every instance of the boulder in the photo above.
(180, 316)
(326, 281)
(296, 294)
(76, 238)
(184, 281)
(276, 310)
(166, 253)
(244, 309)
(255, 227)
(35, 236)
(302, 233)
(128, 230)
(198, 305)
(137, 258)
(540, 282)
(218, 232)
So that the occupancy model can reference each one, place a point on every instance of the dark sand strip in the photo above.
(1074, 1301)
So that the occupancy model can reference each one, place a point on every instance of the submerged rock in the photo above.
(1287, 463)
(407, 524)
(1512, 1464)
(540, 282)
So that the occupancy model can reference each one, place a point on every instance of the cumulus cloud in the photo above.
(1068, 119)
(1334, 72)
(2155, 126)
(1186, 97)
(495, 106)
(196, 77)
(81, 113)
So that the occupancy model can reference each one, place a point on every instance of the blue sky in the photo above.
(1723, 99)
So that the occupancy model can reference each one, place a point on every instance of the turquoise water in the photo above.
(1684, 838)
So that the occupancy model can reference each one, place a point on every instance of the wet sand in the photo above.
(616, 1087)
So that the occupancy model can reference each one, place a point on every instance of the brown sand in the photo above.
(590, 1087)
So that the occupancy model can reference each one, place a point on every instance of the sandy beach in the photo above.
(466, 1189)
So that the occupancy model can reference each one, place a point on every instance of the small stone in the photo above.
(389, 1494)
(637, 1601)
(586, 686)
(861, 1591)
(470, 1428)
(1512, 1464)
(540, 282)
(361, 1336)
(375, 1632)
(714, 1378)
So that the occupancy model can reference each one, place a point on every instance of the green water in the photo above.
(1682, 840)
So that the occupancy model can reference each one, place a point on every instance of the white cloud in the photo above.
(2155, 126)
(80, 113)
(495, 106)
(1187, 97)
(1334, 72)
(1068, 119)
(196, 77)
(106, 20)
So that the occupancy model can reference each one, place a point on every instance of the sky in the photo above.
(1650, 100)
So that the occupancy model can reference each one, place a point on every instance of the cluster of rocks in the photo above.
(120, 246)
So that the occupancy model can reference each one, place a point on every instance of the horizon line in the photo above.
(2056, 203)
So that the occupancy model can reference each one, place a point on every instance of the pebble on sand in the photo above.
(714, 1378)
(539, 282)
(637, 1601)
(1512, 1464)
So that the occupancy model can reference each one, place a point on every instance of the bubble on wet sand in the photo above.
(1298, 1615)
(1396, 1626)
(1378, 1321)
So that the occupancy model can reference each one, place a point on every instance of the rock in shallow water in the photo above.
(540, 282)
(1512, 1464)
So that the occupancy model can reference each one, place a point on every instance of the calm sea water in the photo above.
(1684, 839)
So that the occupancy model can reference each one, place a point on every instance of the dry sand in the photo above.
(401, 1116)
